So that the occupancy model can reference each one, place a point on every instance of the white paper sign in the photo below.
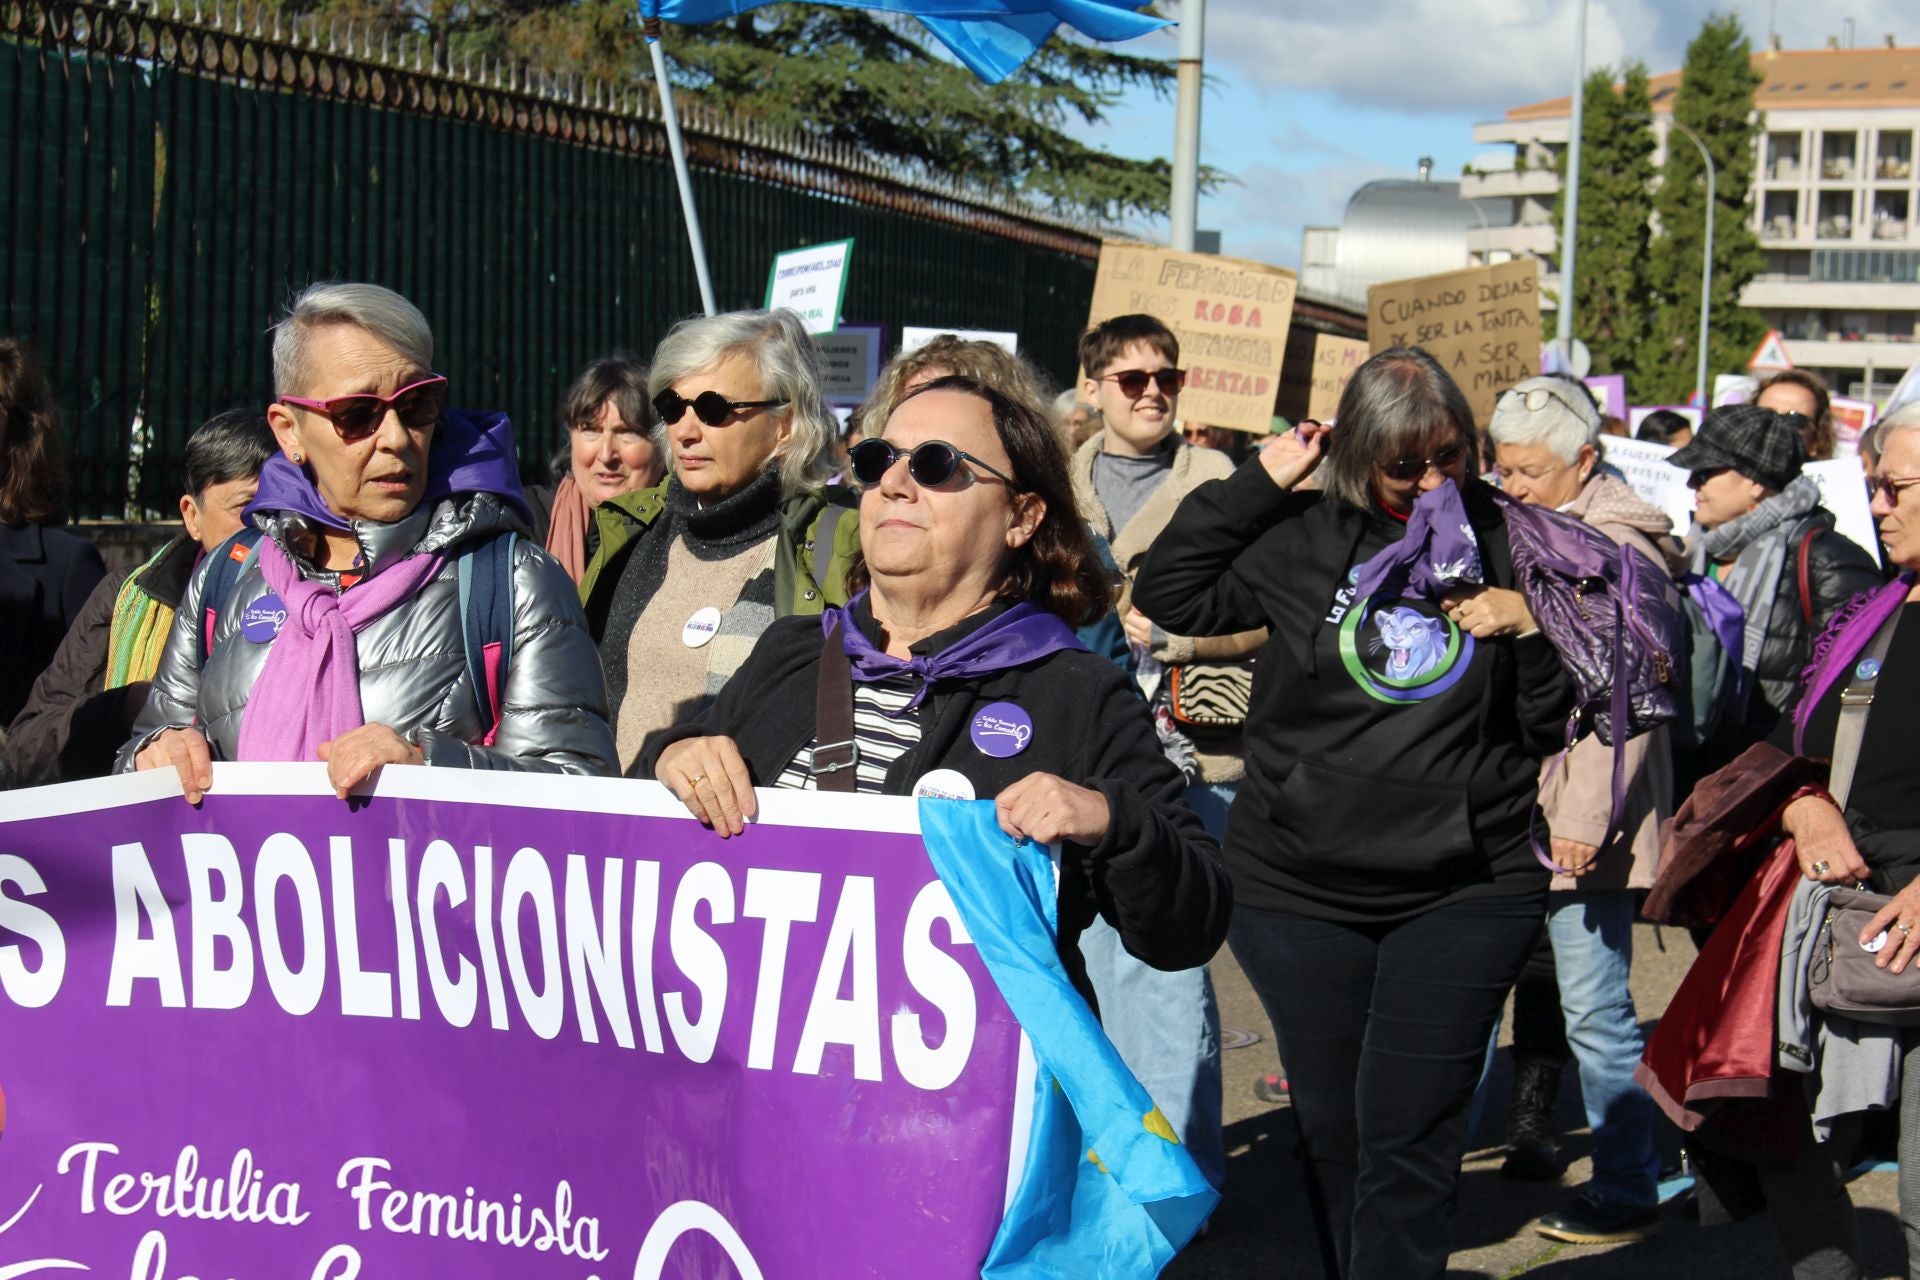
(913, 336)
(1843, 491)
(1643, 464)
(811, 282)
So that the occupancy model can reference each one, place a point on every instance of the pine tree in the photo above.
(1715, 100)
(1612, 294)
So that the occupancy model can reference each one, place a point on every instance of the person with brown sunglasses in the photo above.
(335, 625)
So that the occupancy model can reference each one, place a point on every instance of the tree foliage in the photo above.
(878, 83)
(1612, 291)
(1715, 100)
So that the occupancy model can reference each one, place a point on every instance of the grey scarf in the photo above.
(1757, 543)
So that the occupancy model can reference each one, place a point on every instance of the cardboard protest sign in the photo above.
(1482, 325)
(850, 359)
(490, 1025)
(1334, 361)
(811, 282)
(1231, 316)
(913, 337)
(1852, 419)
(1843, 491)
(1643, 464)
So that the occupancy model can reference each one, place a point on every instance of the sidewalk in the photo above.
(1262, 1228)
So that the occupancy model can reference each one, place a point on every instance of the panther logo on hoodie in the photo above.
(1403, 651)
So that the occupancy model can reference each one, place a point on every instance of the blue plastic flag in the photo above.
(991, 37)
(1108, 1192)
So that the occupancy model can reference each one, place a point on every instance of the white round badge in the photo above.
(943, 784)
(700, 628)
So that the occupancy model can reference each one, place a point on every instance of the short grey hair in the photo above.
(1905, 418)
(1562, 425)
(789, 366)
(380, 311)
(1396, 402)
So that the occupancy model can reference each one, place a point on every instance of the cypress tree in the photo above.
(1715, 100)
(1612, 292)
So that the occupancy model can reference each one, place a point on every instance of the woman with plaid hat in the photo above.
(1761, 532)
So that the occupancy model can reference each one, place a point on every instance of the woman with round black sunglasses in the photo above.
(744, 529)
(1380, 840)
(963, 678)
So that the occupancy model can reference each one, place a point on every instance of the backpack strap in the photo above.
(224, 567)
(1805, 573)
(485, 572)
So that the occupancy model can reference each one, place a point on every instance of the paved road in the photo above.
(1262, 1228)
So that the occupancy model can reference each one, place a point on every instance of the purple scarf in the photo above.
(308, 691)
(1024, 633)
(1437, 554)
(1851, 630)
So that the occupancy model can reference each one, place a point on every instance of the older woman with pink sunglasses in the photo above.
(339, 625)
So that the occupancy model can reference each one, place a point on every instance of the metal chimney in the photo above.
(1426, 168)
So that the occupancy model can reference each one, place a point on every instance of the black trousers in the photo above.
(1383, 1029)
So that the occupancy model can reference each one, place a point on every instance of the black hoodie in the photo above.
(1392, 760)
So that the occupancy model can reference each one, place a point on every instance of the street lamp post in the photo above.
(1570, 216)
(1706, 257)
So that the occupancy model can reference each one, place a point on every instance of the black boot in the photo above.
(1531, 1154)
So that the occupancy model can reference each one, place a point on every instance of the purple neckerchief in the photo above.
(471, 453)
(1024, 633)
(1437, 554)
(1835, 651)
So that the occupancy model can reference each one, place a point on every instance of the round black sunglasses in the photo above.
(931, 463)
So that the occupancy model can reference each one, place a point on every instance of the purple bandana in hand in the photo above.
(1024, 633)
(1438, 553)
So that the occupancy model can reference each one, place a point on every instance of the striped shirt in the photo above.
(880, 731)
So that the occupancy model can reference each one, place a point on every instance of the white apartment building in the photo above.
(1834, 203)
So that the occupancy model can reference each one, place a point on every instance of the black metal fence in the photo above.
(170, 181)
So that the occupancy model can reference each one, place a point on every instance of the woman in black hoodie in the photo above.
(1386, 888)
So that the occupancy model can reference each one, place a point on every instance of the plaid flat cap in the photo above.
(1758, 443)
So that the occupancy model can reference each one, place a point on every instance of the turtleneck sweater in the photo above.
(690, 559)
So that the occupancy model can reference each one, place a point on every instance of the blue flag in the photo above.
(991, 37)
(1108, 1192)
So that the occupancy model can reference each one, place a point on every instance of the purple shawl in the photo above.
(470, 453)
(1024, 633)
(1833, 653)
(1437, 554)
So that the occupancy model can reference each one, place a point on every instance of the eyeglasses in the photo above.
(710, 407)
(1695, 479)
(931, 463)
(1798, 421)
(358, 416)
(1133, 382)
(1889, 487)
(1414, 468)
(1537, 398)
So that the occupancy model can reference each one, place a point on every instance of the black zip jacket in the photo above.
(1156, 877)
(1392, 761)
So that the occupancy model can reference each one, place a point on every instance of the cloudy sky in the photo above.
(1314, 97)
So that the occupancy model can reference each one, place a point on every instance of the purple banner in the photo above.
(489, 1025)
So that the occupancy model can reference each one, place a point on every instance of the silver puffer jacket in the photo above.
(413, 674)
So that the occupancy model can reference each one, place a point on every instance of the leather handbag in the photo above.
(1844, 978)
(1210, 695)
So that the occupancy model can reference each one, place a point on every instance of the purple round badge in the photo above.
(1001, 729)
(261, 621)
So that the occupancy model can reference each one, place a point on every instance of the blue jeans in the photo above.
(1167, 1025)
(1593, 951)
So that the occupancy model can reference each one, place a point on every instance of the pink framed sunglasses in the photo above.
(358, 416)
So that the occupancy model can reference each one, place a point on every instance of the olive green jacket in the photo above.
(801, 583)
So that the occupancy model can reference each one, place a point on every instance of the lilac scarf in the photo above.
(1024, 633)
(1851, 630)
(308, 691)
(1437, 554)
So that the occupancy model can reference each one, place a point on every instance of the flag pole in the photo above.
(678, 149)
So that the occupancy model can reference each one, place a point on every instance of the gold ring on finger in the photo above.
(1820, 868)
(696, 780)
(1903, 928)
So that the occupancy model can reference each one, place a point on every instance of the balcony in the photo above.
(1893, 168)
(1509, 184)
(1779, 227)
(1889, 230)
(1840, 168)
(1837, 228)
(1536, 239)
